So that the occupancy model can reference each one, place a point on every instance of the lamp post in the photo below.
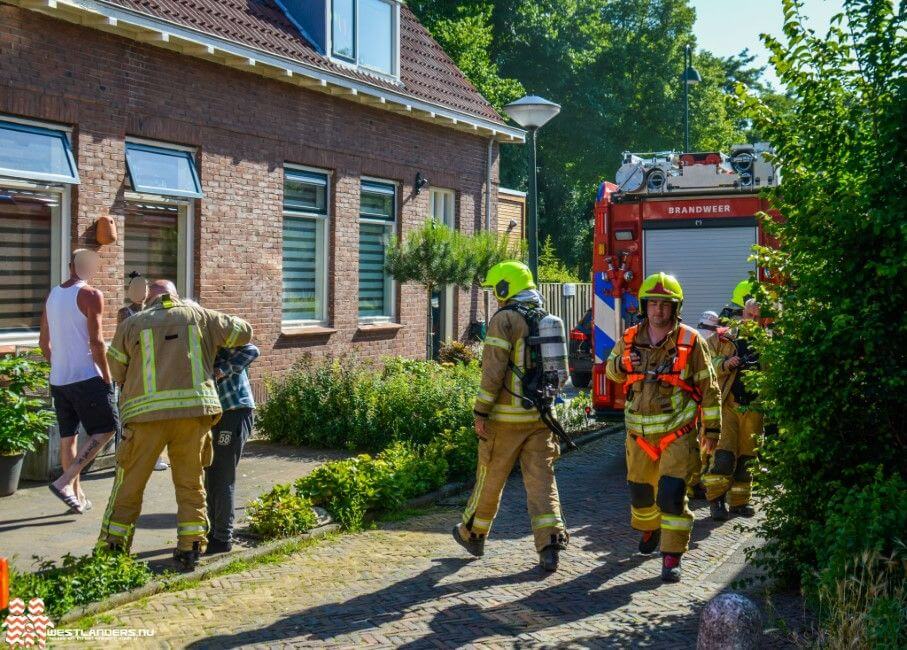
(690, 77)
(532, 113)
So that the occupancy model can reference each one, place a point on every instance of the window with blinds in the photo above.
(151, 241)
(305, 210)
(377, 214)
(25, 250)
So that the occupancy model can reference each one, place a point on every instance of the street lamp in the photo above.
(690, 77)
(532, 113)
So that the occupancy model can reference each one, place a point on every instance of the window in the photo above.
(441, 209)
(36, 153)
(151, 241)
(164, 171)
(343, 29)
(29, 226)
(305, 213)
(365, 32)
(160, 213)
(377, 220)
(376, 37)
(36, 170)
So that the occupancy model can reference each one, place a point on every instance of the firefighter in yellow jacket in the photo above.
(163, 358)
(709, 331)
(728, 482)
(669, 385)
(508, 431)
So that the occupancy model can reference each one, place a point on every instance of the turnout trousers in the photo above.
(188, 445)
(536, 448)
(658, 490)
(729, 473)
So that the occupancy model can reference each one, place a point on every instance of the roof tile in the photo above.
(426, 72)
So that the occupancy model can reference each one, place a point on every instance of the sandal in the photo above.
(71, 500)
(86, 505)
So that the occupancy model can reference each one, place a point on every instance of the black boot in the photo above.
(216, 546)
(188, 559)
(649, 541)
(549, 557)
(718, 509)
(670, 567)
(743, 511)
(475, 545)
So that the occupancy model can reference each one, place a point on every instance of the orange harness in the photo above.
(685, 341)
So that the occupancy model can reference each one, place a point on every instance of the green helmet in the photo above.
(508, 278)
(662, 286)
(742, 291)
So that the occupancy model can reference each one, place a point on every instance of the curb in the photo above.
(201, 572)
(157, 586)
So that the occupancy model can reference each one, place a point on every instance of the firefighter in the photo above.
(728, 482)
(508, 431)
(669, 384)
(709, 328)
(163, 357)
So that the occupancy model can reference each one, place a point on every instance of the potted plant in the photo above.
(24, 416)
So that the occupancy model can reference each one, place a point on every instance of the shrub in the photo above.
(350, 488)
(281, 513)
(457, 352)
(573, 413)
(345, 403)
(24, 417)
(832, 380)
(79, 580)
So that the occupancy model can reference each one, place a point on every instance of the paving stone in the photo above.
(408, 585)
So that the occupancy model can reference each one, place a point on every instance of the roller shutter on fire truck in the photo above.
(708, 261)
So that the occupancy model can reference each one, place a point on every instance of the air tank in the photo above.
(554, 348)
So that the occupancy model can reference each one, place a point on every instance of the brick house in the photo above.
(258, 153)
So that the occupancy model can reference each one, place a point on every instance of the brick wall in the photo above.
(245, 128)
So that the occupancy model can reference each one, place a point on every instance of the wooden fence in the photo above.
(569, 308)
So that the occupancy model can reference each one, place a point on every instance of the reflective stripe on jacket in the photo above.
(163, 357)
(654, 408)
(505, 342)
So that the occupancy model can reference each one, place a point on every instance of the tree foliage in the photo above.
(614, 67)
(835, 372)
(552, 269)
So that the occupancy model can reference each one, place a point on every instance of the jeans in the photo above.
(228, 436)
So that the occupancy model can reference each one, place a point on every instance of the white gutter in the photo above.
(135, 25)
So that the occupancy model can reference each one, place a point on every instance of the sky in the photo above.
(725, 27)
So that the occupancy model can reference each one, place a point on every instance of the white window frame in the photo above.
(449, 219)
(390, 285)
(185, 255)
(394, 74)
(60, 222)
(60, 242)
(185, 234)
(322, 257)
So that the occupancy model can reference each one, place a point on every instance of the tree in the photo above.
(551, 269)
(834, 373)
(435, 256)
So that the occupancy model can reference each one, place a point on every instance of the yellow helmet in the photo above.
(662, 286)
(742, 291)
(508, 278)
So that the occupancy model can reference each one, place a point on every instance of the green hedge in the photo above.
(343, 403)
(79, 580)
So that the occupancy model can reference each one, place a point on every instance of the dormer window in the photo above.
(365, 32)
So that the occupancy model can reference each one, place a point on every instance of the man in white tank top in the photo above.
(80, 384)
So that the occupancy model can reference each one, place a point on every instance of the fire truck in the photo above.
(692, 215)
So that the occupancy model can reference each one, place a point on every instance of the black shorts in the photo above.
(90, 402)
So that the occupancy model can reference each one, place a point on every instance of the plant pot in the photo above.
(10, 469)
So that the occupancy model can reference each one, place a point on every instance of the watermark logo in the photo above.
(27, 630)
(34, 628)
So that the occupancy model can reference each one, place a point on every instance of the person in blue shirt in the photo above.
(229, 436)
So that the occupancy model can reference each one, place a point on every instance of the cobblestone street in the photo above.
(408, 585)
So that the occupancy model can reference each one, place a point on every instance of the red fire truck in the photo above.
(691, 215)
